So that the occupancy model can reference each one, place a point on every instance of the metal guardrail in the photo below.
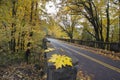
(111, 46)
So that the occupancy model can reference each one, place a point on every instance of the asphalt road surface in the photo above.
(99, 67)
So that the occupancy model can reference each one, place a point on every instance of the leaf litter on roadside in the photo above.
(21, 72)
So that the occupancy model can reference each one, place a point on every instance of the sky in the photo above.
(51, 8)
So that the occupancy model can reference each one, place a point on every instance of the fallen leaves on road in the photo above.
(49, 50)
(82, 76)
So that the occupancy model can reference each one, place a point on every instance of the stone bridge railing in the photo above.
(111, 46)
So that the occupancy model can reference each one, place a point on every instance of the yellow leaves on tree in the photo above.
(69, 1)
(70, 7)
(66, 8)
(60, 61)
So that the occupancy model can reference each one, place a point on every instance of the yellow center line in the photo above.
(95, 60)
(61, 49)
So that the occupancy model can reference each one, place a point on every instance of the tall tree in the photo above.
(93, 17)
(13, 25)
(68, 23)
(95, 11)
(108, 22)
(19, 20)
(88, 9)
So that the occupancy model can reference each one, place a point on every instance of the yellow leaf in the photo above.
(66, 8)
(53, 58)
(58, 65)
(60, 61)
(49, 49)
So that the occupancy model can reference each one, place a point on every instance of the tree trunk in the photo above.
(13, 41)
(31, 14)
(108, 22)
(70, 36)
(94, 18)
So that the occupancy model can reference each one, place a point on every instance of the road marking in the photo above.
(95, 60)
(61, 49)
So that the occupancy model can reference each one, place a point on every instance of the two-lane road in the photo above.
(102, 68)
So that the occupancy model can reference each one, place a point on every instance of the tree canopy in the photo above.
(27, 21)
(102, 17)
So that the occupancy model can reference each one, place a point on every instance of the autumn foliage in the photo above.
(60, 61)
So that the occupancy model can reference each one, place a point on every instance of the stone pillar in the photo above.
(66, 73)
